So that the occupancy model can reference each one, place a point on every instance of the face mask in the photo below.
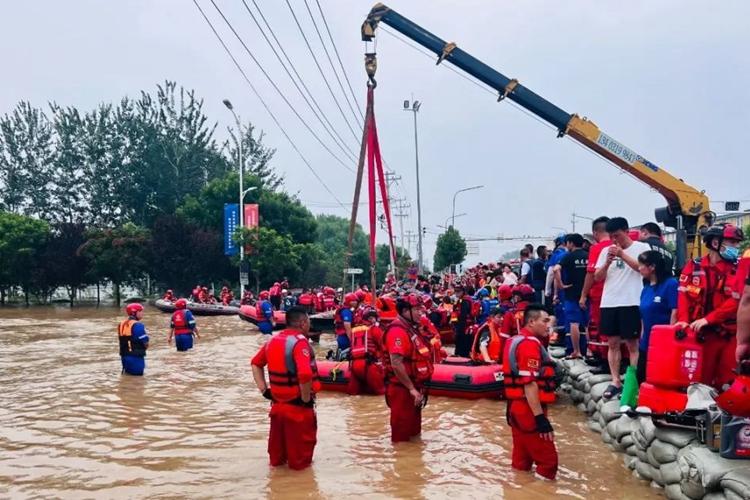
(730, 253)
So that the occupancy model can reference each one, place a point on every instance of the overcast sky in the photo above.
(669, 79)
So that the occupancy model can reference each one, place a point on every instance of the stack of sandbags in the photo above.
(704, 471)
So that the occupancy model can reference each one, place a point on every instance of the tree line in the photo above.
(137, 189)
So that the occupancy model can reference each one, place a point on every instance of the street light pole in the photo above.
(414, 108)
(454, 217)
(240, 167)
(453, 212)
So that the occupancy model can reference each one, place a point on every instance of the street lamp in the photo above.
(454, 217)
(453, 212)
(414, 106)
(242, 192)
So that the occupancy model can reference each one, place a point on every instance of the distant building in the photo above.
(740, 219)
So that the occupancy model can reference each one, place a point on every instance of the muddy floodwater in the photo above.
(195, 427)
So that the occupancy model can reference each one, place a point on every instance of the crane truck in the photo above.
(687, 209)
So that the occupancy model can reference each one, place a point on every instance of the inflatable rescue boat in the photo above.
(454, 378)
(198, 309)
(248, 313)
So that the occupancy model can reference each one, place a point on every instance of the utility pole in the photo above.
(414, 106)
(400, 210)
(390, 179)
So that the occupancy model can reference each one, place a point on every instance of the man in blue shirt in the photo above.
(133, 341)
(264, 313)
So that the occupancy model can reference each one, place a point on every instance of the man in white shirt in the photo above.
(620, 320)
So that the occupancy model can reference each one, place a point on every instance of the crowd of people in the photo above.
(600, 295)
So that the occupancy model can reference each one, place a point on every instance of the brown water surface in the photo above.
(195, 427)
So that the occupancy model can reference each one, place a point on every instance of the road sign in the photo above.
(353, 270)
(244, 279)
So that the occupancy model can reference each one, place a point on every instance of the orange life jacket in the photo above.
(512, 376)
(282, 369)
(259, 314)
(495, 346)
(128, 346)
(179, 322)
(429, 331)
(419, 365)
(338, 322)
(364, 346)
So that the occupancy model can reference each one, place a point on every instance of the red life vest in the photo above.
(274, 291)
(418, 365)
(282, 369)
(338, 323)
(364, 345)
(705, 288)
(306, 299)
(179, 323)
(495, 346)
(329, 302)
(259, 314)
(513, 377)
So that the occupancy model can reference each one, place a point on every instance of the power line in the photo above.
(276, 87)
(340, 142)
(317, 64)
(268, 110)
(330, 61)
(336, 50)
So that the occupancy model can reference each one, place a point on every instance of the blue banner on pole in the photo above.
(231, 222)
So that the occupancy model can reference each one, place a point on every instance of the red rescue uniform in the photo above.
(513, 319)
(365, 366)
(743, 275)
(404, 340)
(709, 291)
(495, 342)
(525, 361)
(294, 426)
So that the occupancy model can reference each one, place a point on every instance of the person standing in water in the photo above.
(183, 327)
(133, 341)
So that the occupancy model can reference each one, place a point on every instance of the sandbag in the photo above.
(590, 406)
(715, 496)
(576, 368)
(627, 440)
(611, 410)
(731, 495)
(663, 452)
(581, 407)
(641, 454)
(594, 426)
(645, 470)
(599, 378)
(566, 387)
(629, 462)
(587, 396)
(606, 437)
(576, 396)
(657, 477)
(597, 390)
(650, 455)
(702, 470)
(738, 482)
(623, 427)
(602, 422)
(670, 473)
(556, 352)
(631, 450)
(673, 492)
(678, 437)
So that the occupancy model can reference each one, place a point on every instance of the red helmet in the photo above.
(131, 309)
(732, 232)
(350, 297)
(523, 290)
(361, 294)
(427, 301)
(370, 313)
(264, 295)
(277, 283)
(329, 291)
(408, 301)
(736, 399)
(505, 292)
(180, 303)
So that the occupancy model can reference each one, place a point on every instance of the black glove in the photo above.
(542, 424)
(267, 394)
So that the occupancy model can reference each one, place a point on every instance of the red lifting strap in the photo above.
(375, 162)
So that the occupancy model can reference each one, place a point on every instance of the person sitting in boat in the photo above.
(226, 296)
(489, 339)
(133, 340)
(264, 313)
(169, 296)
(203, 295)
(306, 300)
(247, 298)
(513, 318)
(364, 361)
(343, 321)
(195, 296)
(505, 297)
(182, 327)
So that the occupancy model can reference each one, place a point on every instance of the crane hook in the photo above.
(371, 66)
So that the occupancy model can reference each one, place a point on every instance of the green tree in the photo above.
(271, 256)
(332, 237)
(746, 244)
(21, 241)
(61, 264)
(257, 157)
(450, 249)
(120, 255)
(383, 254)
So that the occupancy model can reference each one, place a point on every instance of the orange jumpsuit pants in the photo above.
(293, 435)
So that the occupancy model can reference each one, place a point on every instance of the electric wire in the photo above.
(333, 68)
(278, 90)
(317, 110)
(267, 108)
(338, 56)
(320, 70)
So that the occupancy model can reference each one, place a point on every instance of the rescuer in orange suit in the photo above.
(742, 293)
(292, 384)
(707, 301)
(489, 340)
(529, 386)
(407, 361)
(365, 354)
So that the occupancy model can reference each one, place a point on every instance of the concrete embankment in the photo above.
(670, 458)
